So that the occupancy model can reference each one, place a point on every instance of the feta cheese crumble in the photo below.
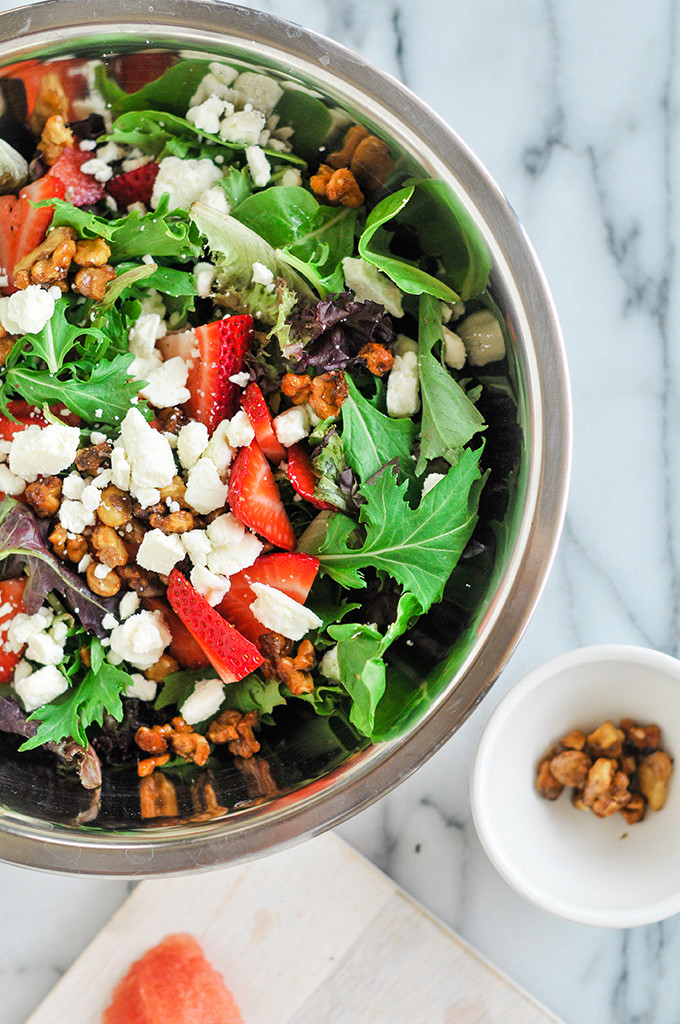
(204, 701)
(27, 311)
(282, 613)
(141, 639)
(43, 451)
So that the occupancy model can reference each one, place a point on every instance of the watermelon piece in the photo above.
(173, 983)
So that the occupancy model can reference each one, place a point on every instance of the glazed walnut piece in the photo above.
(653, 776)
(49, 262)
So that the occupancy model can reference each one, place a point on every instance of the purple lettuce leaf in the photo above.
(335, 329)
(23, 547)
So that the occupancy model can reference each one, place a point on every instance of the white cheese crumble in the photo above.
(211, 586)
(40, 687)
(205, 491)
(370, 285)
(403, 383)
(26, 311)
(329, 665)
(482, 336)
(160, 552)
(454, 349)
(258, 165)
(430, 481)
(292, 425)
(291, 177)
(243, 128)
(9, 482)
(141, 639)
(141, 688)
(282, 613)
(152, 463)
(239, 430)
(129, 603)
(197, 545)
(205, 701)
(262, 275)
(98, 168)
(206, 115)
(204, 277)
(144, 334)
(43, 451)
(166, 384)
(184, 181)
(219, 451)
(192, 441)
(262, 91)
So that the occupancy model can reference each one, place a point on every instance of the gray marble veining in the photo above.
(574, 108)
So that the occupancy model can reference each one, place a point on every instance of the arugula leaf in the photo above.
(54, 342)
(103, 396)
(371, 439)
(22, 546)
(83, 705)
(238, 247)
(417, 547)
(430, 211)
(449, 418)
(313, 238)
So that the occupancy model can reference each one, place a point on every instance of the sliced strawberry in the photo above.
(81, 189)
(216, 352)
(22, 228)
(11, 602)
(301, 475)
(255, 500)
(291, 573)
(134, 186)
(230, 654)
(32, 72)
(183, 648)
(254, 405)
(25, 415)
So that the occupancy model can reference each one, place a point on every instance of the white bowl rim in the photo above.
(624, 917)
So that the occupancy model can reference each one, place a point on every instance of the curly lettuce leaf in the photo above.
(23, 547)
(419, 547)
(371, 439)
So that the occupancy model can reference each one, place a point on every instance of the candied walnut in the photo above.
(296, 681)
(85, 656)
(204, 801)
(654, 773)
(634, 810)
(49, 262)
(371, 163)
(577, 800)
(94, 457)
(223, 728)
(643, 737)
(342, 157)
(246, 745)
(51, 100)
(329, 391)
(297, 387)
(615, 798)
(319, 182)
(7, 343)
(44, 496)
(143, 583)
(92, 282)
(179, 725)
(157, 797)
(605, 741)
(574, 740)
(171, 420)
(103, 585)
(191, 745)
(76, 547)
(56, 137)
(109, 547)
(379, 359)
(571, 768)
(305, 657)
(149, 764)
(91, 252)
(342, 187)
(546, 783)
(151, 741)
(58, 539)
(175, 491)
(174, 522)
(599, 779)
(165, 666)
(140, 512)
(115, 507)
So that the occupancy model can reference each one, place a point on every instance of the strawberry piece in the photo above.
(183, 647)
(291, 573)
(230, 654)
(255, 407)
(222, 347)
(255, 500)
(12, 594)
(301, 476)
(22, 228)
(134, 186)
(81, 189)
(25, 415)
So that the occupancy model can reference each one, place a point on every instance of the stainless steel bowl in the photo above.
(315, 782)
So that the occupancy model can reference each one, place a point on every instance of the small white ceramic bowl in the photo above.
(597, 871)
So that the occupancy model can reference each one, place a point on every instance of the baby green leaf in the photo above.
(371, 439)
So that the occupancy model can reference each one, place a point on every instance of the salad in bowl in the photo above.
(249, 363)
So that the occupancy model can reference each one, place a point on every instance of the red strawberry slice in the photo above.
(25, 415)
(291, 573)
(81, 189)
(254, 405)
(301, 475)
(22, 228)
(216, 352)
(183, 648)
(134, 186)
(255, 500)
(11, 594)
(230, 654)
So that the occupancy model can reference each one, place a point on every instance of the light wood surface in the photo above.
(313, 935)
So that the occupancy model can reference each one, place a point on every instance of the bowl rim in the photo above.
(624, 917)
(28, 30)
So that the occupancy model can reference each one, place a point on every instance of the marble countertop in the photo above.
(574, 109)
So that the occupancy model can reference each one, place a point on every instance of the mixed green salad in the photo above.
(242, 445)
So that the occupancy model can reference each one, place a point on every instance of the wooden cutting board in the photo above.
(313, 935)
